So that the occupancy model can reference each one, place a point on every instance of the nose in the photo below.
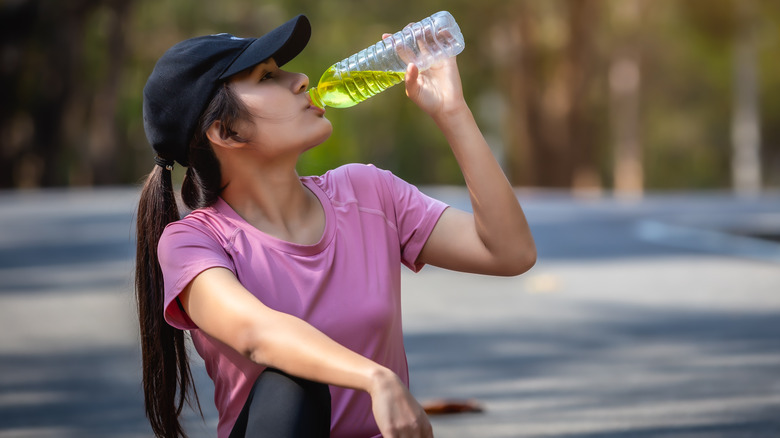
(301, 82)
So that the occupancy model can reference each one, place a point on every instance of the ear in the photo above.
(218, 137)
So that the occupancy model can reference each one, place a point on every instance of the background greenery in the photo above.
(564, 90)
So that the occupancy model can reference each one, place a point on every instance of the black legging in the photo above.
(283, 406)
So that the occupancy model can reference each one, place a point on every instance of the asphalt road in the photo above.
(651, 318)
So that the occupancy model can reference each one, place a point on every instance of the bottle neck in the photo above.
(316, 100)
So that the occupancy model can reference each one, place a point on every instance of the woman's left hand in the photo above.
(437, 90)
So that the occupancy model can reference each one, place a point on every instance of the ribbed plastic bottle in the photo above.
(383, 65)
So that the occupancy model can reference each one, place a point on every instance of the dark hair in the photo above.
(167, 378)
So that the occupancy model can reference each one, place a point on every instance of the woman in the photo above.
(290, 286)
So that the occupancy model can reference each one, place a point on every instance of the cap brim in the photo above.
(283, 44)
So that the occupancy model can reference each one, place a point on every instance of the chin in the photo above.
(321, 139)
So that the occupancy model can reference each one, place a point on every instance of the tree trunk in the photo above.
(550, 141)
(745, 123)
(103, 144)
(624, 89)
(584, 61)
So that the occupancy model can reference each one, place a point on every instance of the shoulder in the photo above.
(356, 173)
(355, 181)
(198, 222)
(202, 226)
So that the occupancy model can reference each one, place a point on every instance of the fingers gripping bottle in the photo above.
(383, 65)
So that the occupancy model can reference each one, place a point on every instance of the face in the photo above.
(283, 118)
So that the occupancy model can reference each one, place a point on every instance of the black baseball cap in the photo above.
(186, 77)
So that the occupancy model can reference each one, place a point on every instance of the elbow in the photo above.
(255, 355)
(529, 262)
(518, 263)
(253, 345)
(514, 255)
(524, 263)
(263, 343)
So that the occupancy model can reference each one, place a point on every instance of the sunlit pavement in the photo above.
(652, 318)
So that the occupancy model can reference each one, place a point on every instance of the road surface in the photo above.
(651, 318)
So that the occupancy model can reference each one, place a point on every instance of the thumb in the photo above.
(411, 73)
(412, 87)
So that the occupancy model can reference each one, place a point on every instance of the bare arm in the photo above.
(217, 302)
(496, 238)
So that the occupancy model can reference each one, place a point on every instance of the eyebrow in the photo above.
(258, 69)
(268, 64)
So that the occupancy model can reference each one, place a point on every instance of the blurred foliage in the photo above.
(536, 73)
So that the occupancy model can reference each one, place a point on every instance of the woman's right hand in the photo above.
(396, 412)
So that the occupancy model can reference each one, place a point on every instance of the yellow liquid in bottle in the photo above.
(351, 88)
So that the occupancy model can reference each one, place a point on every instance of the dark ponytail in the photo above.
(166, 369)
(167, 378)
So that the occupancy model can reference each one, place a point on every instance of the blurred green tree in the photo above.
(582, 94)
(61, 65)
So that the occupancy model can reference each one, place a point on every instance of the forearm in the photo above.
(287, 343)
(217, 302)
(220, 306)
(498, 217)
(299, 349)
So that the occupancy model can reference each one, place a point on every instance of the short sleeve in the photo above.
(185, 251)
(416, 215)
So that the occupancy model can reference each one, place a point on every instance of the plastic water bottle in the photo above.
(383, 65)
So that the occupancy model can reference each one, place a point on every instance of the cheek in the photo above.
(245, 128)
(302, 134)
(266, 104)
(275, 113)
(274, 125)
(274, 107)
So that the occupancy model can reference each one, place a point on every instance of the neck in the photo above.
(274, 200)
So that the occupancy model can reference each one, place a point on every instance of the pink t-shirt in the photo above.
(347, 285)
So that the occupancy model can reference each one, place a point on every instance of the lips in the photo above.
(315, 108)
